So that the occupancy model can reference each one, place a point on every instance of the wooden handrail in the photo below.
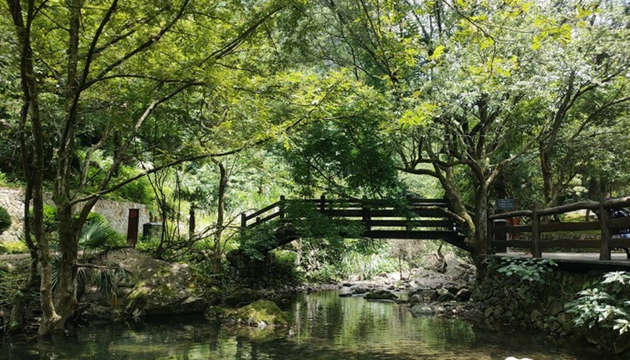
(262, 211)
(605, 225)
(582, 205)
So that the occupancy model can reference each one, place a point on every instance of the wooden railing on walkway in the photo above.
(420, 219)
(529, 236)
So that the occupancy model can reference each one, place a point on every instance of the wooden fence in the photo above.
(528, 236)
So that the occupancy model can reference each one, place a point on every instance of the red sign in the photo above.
(132, 227)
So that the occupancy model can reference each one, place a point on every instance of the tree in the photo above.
(469, 85)
(86, 65)
(588, 100)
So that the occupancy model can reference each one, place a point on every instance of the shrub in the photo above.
(5, 220)
(138, 191)
(93, 218)
(605, 304)
(13, 247)
(99, 235)
(275, 269)
(51, 222)
(531, 270)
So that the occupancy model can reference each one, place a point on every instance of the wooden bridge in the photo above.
(429, 219)
(417, 219)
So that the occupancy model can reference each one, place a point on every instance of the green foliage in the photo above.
(275, 269)
(51, 222)
(605, 304)
(255, 242)
(5, 220)
(138, 191)
(346, 156)
(531, 270)
(5, 180)
(13, 247)
(99, 235)
(354, 263)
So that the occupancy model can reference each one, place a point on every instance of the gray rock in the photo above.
(422, 310)
(622, 343)
(463, 295)
(161, 287)
(359, 289)
(415, 299)
(535, 315)
(380, 295)
(345, 292)
(556, 308)
(446, 297)
(442, 291)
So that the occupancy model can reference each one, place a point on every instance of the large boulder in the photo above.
(345, 292)
(359, 289)
(380, 295)
(420, 310)
(261, 314)
(159, 287)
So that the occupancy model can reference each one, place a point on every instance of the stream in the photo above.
(324, 326)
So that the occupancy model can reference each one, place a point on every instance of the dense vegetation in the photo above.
(205, 109)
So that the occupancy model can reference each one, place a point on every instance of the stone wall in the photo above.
(116, 212)
(13, 201)
(540, 306)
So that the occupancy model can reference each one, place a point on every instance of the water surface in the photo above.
(325, 326)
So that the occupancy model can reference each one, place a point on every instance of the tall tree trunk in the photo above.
(547, 175)
(49, 319)
(480, 245)
(218, 248)
(65, 292)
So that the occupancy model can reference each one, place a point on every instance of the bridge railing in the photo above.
(373, 213)
(530, 236)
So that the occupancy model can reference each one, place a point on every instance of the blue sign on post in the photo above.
(506, 204)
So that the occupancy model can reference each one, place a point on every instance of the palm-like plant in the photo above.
(96, 236)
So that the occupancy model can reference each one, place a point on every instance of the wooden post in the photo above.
(491, 248)
(604, 250)
(132, 227)
(282, 200)
(322, 204)
(243, 220)
(536, 233)
(366, 215)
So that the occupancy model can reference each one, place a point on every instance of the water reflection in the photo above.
(324, 327)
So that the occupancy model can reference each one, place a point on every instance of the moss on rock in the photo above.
(261, 313)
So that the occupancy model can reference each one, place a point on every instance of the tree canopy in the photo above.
(473, 100)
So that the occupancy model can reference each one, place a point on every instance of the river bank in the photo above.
(145, 287)
(153, 289)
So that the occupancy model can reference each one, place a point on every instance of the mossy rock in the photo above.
(162, 288)
(380, 295)
(262, 313)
